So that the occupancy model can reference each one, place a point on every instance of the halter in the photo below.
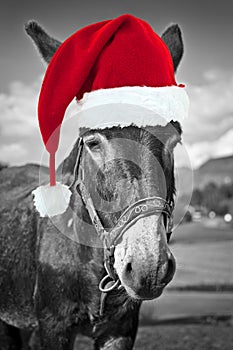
(142, 208)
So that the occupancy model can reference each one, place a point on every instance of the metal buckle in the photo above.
(107, 284)
(110, 278)
(106, 287)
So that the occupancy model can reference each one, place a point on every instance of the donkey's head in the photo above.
(122, 166)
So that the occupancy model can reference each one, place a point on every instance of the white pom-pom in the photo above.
(51, 200)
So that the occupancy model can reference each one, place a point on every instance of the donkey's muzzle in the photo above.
(141, 283)
(143, 261)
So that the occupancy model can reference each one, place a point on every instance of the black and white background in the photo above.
(204, 246)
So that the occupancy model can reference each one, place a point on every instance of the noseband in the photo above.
(142, 208)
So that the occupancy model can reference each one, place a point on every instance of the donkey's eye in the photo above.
(93, 143)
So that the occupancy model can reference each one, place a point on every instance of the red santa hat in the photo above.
(120, 61)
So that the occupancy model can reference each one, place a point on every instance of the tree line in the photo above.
(214, 197)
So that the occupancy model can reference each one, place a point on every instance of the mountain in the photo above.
(218, 170)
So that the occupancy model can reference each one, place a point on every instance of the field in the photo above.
(185, 337)
(188, 315)
(204, 256)
(217, 336)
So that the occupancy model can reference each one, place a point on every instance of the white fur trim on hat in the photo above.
(162, 104)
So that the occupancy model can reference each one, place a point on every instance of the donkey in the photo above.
(53, 285)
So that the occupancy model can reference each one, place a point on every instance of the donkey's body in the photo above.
(48, 280)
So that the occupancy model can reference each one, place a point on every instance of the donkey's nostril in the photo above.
(170, 270)
(128, 267)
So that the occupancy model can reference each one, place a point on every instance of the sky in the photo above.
(206, 68)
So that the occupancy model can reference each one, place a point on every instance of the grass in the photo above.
(207, 231)
(183, 305)
(203, 264)
(185, 337)
(204, 257)
(203, 288)
(208, 336)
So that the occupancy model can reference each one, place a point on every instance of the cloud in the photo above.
(14, 152)
(211, 108)
(20, 139)
(210, 122)
(202, 151)
(18, 123)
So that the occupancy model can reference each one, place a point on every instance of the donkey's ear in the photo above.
(46, 45)
(173, 132)
(173, 39)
